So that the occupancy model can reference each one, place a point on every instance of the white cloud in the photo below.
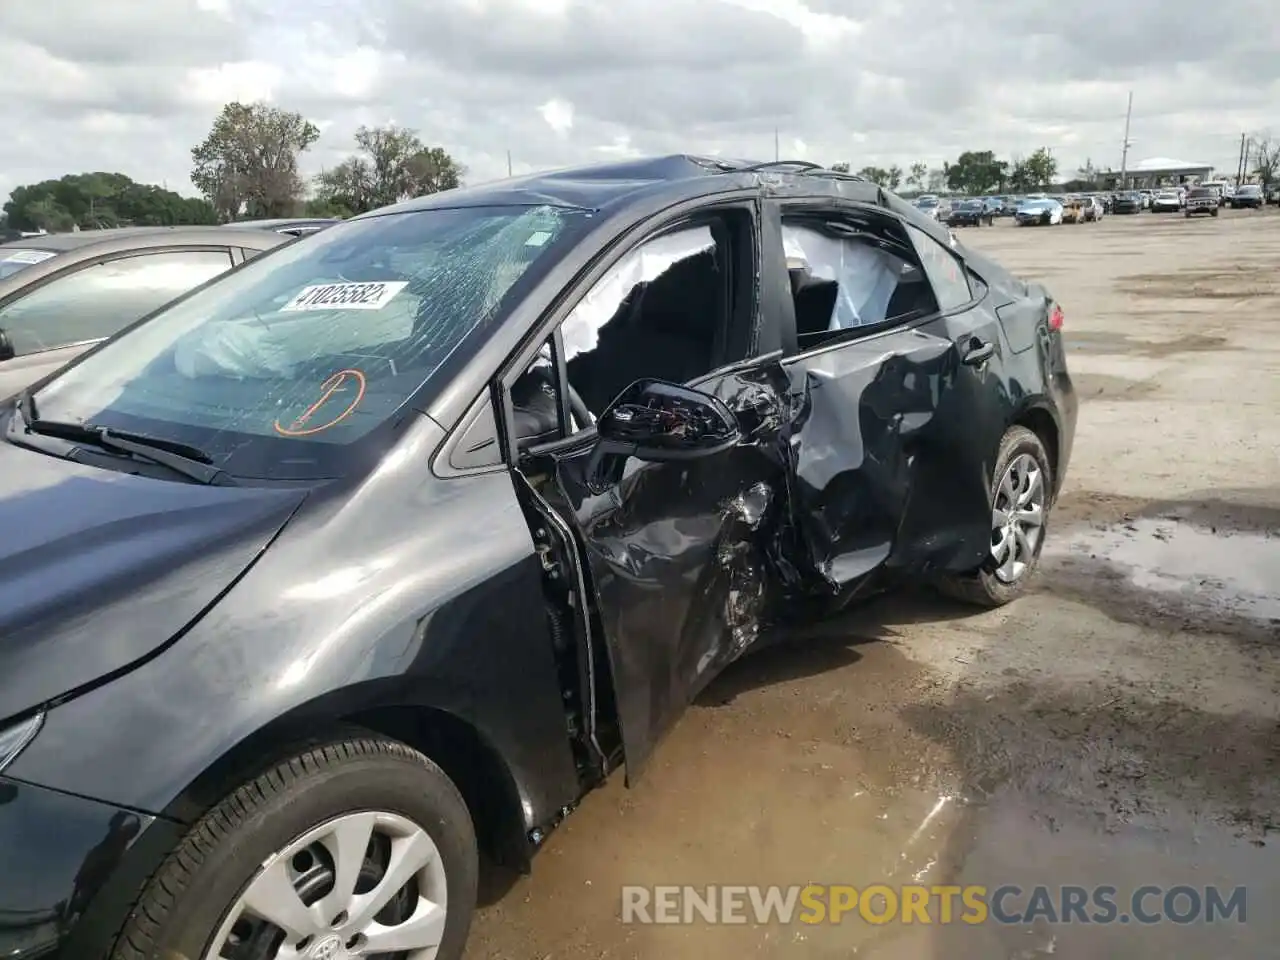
(558, 114)
(132, 85)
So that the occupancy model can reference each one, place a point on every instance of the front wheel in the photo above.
(1021, 496)
(359, 848)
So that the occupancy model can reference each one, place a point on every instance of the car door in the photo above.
(50, 323)
(898, 370)
(678, 552)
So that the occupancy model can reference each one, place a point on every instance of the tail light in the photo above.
(1056, 318)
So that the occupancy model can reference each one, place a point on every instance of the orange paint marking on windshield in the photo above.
(331, 386)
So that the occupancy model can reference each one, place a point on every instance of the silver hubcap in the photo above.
(361, 885)
(1017, 517)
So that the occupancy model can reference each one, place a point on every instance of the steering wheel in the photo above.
(581, 414)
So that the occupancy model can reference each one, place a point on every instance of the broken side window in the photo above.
(844, 279)
(660, 313)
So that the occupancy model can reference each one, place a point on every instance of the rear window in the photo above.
(13, 259)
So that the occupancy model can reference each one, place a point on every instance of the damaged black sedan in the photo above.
(375, 555)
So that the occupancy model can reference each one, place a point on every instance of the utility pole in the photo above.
(1244, 158)
(1124, 151)
(776, 153)
(508, 163)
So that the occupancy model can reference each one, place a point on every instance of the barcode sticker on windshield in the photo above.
(345, 296)
(26, 256)
(537, 239)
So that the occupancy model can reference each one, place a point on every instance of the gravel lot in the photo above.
(1120, 725)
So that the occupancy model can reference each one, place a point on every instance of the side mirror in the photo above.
(7, 352)
(657, 421)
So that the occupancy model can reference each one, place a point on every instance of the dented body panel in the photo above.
(678, 556)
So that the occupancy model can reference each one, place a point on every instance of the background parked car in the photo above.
(1091, 209)
(1039, 212)
(1273, 195)
(1247, 196)
(61, 294)
(969, 213)
(928, 204)
(1201, 200)
(1166, 201)
(1072, 211)
(1128, 202)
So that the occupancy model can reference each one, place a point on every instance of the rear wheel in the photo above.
(361, 848)
(1021, 496)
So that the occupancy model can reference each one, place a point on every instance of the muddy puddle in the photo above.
(1019, 845)
(1216, 572)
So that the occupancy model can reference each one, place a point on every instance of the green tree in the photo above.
(95, 200)
(324, 207)
(976, 172)
(918, 175)
(248, 164)
(1019, 175)
(890, 179)
(841, 167)
(1041, 167)
(393, 165)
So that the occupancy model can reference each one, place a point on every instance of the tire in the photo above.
(1213, 212)
(186, 903)
(985, 587)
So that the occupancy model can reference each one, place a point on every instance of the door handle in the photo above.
(978, 352)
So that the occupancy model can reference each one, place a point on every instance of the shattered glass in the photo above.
(332, 334)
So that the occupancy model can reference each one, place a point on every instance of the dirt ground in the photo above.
(1120, 725)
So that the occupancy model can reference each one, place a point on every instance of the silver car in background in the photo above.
(61, 294)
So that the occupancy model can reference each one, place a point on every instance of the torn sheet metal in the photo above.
(680, 556)
(864, 411)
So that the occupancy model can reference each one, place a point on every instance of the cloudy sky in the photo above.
(132, 85)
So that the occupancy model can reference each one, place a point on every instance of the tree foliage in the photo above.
(918, 175)
(1266, 160)
(393, 165)
(248, 164)
(976, 172)
(890, 179)
(841, 167)
(1036, 171)
(99, 200)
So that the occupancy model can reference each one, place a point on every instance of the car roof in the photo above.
(275, 223)
(674, 178)
(143, 237)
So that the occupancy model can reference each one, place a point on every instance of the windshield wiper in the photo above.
(192, 462)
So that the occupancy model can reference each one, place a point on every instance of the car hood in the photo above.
(99, 569)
